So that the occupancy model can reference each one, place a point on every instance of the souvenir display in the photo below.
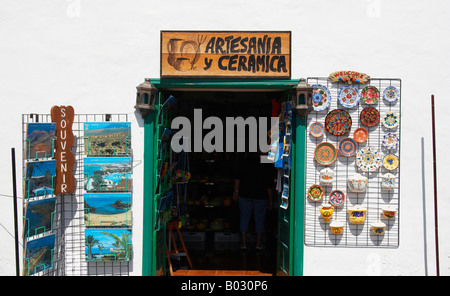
(349, 96)
(390, 141)
(316, 129)
(360, 135)
(368, 159)
(321, 97)
(326, 177)
(337, 198)
(370, 117)
(390, 162)
(370, 95)
(391, 120)
(357, 214)
(378, 227)
(391, 94)
(389, 211)
(347, 147)
(388, 181)
(326, 210)
(325, 153)
(315, 192)
(338, 122)
(357, 183)
(336, 227)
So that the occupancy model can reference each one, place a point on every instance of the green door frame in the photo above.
(299, 145)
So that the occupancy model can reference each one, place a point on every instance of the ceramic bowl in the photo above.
(378, 228)
(336, 227)
(357, 214)
(326, 177)
(357, 183)
(389, 212)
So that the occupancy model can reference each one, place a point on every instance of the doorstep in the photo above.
(194, 272)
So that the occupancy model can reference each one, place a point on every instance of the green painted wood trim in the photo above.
(224, 84)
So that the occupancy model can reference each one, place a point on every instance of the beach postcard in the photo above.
(38, 254)
(107, 209)
(39, 177)
(108, 244)
(39, 140)
(107, 174)
(107, 138)
(39, 217)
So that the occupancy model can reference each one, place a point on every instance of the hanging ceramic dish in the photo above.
(391, 94)
(390, 162)
(338, 122)
(357, 183)
(336, 227)
(337, 198)
(315, 192)
(325, 153)
(390, 141)
(349, 96)
(370, 117)
(368, 159)
(326, 177)
(321, 97)
(378, 227)
(347, 147)
(370, 95)
(360, 135)
(389, 211)
(388, 181)
(316, 129)
(357, 214)
(391, 120)
(326, 210)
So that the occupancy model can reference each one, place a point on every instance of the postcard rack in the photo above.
(68, 218)
(375, 197)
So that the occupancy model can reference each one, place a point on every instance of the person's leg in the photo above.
(245, 207)
(259, 210)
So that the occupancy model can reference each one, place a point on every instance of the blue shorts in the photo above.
(258, 207)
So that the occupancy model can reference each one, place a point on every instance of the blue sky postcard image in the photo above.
(107, 174)
(107, 209)
(107, 138)
(108, 244)
(39, 140)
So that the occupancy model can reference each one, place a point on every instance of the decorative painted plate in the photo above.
(349, 96)
(360, 135)
(370, 95)
(391, 94)
(321, 97)
(348, 147)
(337, 198)
(338, 122)
(390, 141)
(325, 153)
(368, 159)
(316, 129)
(315, 192)
(370, 116)
(391, 120)
(390, 162)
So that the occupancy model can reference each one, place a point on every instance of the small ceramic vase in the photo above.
(326, 177)
(357, 214)
(378, 227)
(388, 181)
(336, 227)
(357, 183)
(389, 211)
(326, 210)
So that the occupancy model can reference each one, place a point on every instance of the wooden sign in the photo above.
(349, 77)
(63, 117)
(225, 54)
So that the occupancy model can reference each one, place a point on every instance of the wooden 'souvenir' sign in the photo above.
(225, 54)
(63, 116)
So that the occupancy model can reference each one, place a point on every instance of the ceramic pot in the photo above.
(378, 228)
(357, 183)
(357, 214)
(389, 212)
(388, 181)
(326, 177)
(326, 210)
(336, 227)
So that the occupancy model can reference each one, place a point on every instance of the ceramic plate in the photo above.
(315, 192)
(360, 135)
(337, 198)
(325, 153)
(370, 117)
(391, 120)
(316, 129)
(391, 94)
(348, 147)
(321, 97)
(390, 162)
(348, 96)
(368, 159)
(390, 141)
(370, 95)
(338, 122)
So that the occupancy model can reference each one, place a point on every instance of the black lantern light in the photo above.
(302, 102)
(146, 98)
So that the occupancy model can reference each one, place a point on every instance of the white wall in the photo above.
(92, 54)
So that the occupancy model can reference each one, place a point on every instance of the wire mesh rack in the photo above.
(317, 231)
(68, 256)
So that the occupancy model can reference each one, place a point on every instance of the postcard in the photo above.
(108, 244)
(39, 216)
(39, 140)
(107, 138)
(38, 254)
(107, 209)
(39, 178)
(107, 174)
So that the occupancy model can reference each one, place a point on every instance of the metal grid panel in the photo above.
(317, 232)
